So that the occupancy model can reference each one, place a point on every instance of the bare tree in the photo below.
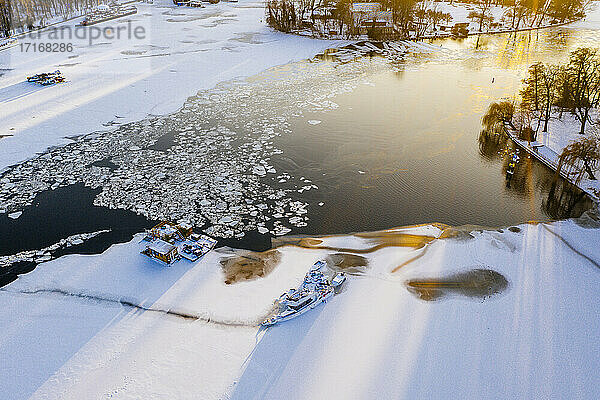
(17, 15)
(5, 17)
(497, 115)
(516, 12)
(566, 10)
(580, 85)
(580, 157)
(483, 14)
(522, 121)
(437, 16)
(421, 18)
(282, 15)
(344, 17)
(402, 14)
(539, 92)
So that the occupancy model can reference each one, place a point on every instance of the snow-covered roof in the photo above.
(185, 225)
(166, 229)
(161, 247)
(365, 7)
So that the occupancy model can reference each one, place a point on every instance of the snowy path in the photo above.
(183, 50)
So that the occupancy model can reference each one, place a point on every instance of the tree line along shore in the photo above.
(557, 106)
(414, 19)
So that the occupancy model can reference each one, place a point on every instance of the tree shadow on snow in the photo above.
(19, 90)
(269, 358)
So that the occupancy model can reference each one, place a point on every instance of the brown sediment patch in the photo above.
(310, 242)
(477, 283)
(349, 257)
(379, 240)
(401, 230)
(394, 237)
(456, 233)
(299, 241)
(349, 263)
(464, 232)
(249, 266)
(421, 254)
(253, 265)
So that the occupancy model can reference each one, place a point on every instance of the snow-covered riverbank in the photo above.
(550, 145)
(181, 51)
(117, 325)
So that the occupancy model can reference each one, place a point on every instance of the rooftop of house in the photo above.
(365, 7)
(161, 247)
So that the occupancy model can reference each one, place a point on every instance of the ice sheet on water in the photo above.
(218, 171)
(15, 214)
(46, 254)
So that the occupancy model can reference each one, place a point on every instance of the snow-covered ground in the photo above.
(562, 132)
(181, 51)
(460, 12)
(71, 331)
(78, 340)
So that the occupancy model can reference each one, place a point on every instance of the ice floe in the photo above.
(46, 253)
(15, 214)
(210, 162)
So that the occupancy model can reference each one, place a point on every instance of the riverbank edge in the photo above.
(362, 38)
(550, 162)
(67, 19)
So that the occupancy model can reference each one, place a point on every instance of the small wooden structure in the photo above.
(380, 25)
(162, 251)
(170, 232)
(169, 242)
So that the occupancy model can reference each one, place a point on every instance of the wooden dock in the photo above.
(110, 18)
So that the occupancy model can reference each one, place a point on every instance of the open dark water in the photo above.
(60, 213)
(405, 146)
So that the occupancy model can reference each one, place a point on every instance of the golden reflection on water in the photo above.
(385, 128)
(380, 147)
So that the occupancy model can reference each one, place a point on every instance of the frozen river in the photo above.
(317, 147)
(320, 146)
